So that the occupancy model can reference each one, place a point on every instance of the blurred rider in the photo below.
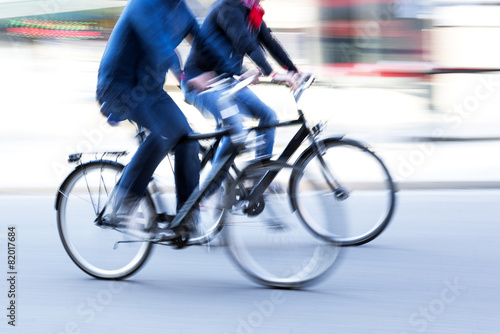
(130, 83)
(236, 29)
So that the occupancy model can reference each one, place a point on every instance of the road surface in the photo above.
(435, 270)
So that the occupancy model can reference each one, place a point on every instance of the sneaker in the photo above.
(188, 230)
(117, 216)
(165, 234)
(120, 205)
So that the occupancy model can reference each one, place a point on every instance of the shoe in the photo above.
(162, 231)
(120, 205)
(119, 216)
(111, 220)
(192, 225)
(185, 232)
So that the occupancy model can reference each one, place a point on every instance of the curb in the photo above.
(447, 185)
(453, 139)
(400, 186)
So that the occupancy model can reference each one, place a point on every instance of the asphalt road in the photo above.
(435, 270)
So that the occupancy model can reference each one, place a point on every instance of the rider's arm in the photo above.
(275, 49)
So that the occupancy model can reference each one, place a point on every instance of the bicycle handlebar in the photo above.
(305, 82)
(223, 81)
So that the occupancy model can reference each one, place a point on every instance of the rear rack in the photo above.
(76, 157)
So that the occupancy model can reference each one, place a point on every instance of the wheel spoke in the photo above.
(93, 246)
(360, 206)
(271, 244)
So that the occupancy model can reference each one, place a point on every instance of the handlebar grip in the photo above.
(305, 82)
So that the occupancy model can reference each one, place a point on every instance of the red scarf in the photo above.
(255, 17)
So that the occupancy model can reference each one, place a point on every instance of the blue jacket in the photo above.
(141, 47)
(226, 28)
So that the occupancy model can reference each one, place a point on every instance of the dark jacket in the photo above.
(141, 47)
(226, 28)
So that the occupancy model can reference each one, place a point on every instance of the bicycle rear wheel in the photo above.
(363, 200)
(267, 240)
(94, 248)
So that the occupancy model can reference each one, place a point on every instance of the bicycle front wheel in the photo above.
(353, 183)
(106, 252)
(266, 239)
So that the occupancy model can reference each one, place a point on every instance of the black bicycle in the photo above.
(354, 181)
(268, 209)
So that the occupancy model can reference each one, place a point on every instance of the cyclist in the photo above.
(131, 75)
(236, 29)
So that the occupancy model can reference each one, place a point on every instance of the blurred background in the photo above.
(416, 80)
(389, 72)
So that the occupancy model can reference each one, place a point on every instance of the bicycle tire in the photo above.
(80, 199)
(267, 241)
(364, 204)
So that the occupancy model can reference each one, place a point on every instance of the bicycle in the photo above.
(367, 201)
(247, 219)
(117, 249)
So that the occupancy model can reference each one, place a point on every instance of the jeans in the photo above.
(158, 113)
(248, 105)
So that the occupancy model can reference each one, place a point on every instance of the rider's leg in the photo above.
(167, 124)
(252, 106)
(187, 170)
(209, 103)
(248, 104)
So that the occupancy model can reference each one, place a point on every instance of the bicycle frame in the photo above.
(263, 199)
(303, 132)
(228, 161)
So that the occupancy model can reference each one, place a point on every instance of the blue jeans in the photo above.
(248, 105)
(158, 113)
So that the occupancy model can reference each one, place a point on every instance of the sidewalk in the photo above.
(420, 155)
(450, 148)
(423, 149)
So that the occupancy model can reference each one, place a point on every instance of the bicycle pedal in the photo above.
(165, 235)
(181, 240)
(177, 238)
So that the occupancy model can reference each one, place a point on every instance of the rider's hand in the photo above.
(253, 72)
(290, 78)
(202, 81)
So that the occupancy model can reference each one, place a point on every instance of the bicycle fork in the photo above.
(339, 192)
